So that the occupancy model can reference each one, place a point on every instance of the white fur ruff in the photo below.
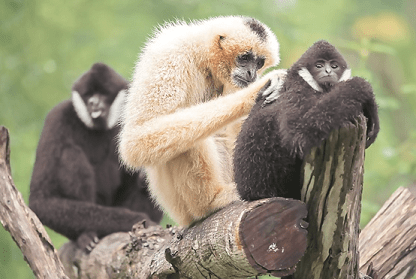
(346, 75)
(115, 109)
(81, 109)
(306, 75)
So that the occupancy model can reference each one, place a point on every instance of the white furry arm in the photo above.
(162, 138)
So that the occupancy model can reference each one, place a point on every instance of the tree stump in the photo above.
(333, 178)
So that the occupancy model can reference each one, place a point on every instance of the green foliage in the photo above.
(45, 45)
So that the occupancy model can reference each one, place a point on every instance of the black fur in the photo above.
(100, 78)
(323, 50)
(257, 28)
(78, 187)
(274, 139)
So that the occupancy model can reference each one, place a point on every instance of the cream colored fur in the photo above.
(173, 123)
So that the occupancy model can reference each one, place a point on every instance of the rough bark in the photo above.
(225, 245)
(389, 239)
(23, 225)
(332, 191)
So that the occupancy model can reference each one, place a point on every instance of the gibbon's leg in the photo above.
(161, 189)
(73, 217)
(205, 173)
(162, 138)
(193, 176)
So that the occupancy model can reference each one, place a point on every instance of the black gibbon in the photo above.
(316, 97)
(78, 188)
(192, 85)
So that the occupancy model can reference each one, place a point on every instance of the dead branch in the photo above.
(25, 228)
(389, 239)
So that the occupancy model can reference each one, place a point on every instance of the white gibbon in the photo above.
(181, 120)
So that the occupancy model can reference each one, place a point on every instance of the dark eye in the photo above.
(319, 65)
(334, 66)
(260, 63)
(244, 57)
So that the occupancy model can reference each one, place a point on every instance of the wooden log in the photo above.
(24, 226)
(332, 191)
(240, 241)
(224, 246)
(388, 242)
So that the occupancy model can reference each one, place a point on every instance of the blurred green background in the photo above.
(45, 45)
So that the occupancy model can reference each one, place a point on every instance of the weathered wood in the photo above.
(271, 237)
(225, 245)
(24, 226)
(389, 239)
(332, 191)
(119, 255)
(221, 252)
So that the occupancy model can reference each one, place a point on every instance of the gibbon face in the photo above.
(326, 72)
(97, 97)
(241, 52)
(246, 67)
(322, 66)
(325, 64)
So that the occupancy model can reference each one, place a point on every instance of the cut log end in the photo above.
(274, 236)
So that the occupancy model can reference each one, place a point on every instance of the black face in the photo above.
(93, 108)
(94, 93)
(326, 72)
(98, 106)
(247, 65)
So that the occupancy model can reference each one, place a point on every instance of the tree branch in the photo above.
(25, 228)
(242, 240)
(388, 242)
